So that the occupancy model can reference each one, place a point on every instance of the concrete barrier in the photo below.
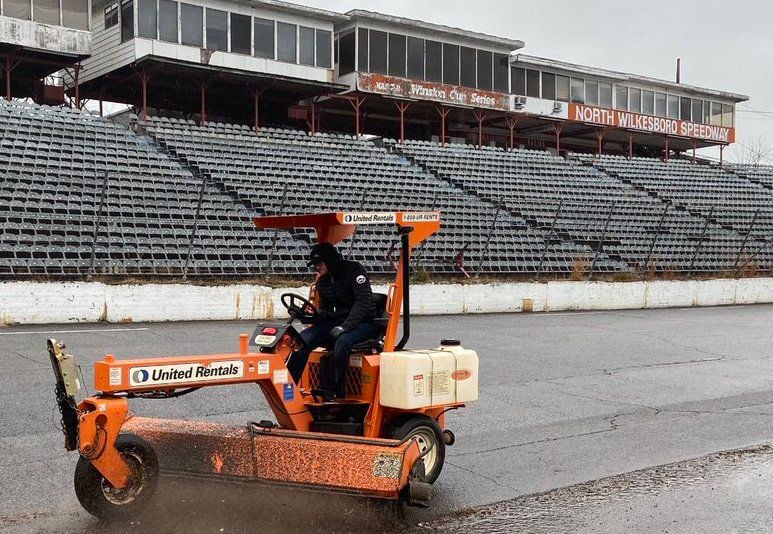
(85, 302)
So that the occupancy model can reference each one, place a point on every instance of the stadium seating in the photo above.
(577, 200)
(85, 196)
(55, 165)
(336, 172)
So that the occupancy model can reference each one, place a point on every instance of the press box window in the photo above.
(17, 9)
(75, 14)
(621, 97)
(577, 90)
(562, 88)
(634, 100)
(264, 38)
(485, 73)
(548, 86)
(127, 20)
(648, 102)
(467, 66)
(111, 16)
(192, 25)
(450, 64)
(685, 109)
(217, 30)
(362, 50)
(415, 58)
(346, 54)
(434, 58)
(706, 112)
(605, 95)
(306, 46)
(727, 115)
(377, 54)
(660, 104)
(518, 80)
(716, 114)
(697, 110)
(147, 19)
(673, 107)
(167, 21)
(323, 40)
(397, 55)
(592, 93)
(501, 73)
(286, 41)
(47, 12)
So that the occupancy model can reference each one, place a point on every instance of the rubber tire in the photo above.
(414, 423)
(88, 481)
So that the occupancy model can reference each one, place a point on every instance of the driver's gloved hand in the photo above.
(337, 331)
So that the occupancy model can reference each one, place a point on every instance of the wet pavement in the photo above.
(565, 398)
(725, 492)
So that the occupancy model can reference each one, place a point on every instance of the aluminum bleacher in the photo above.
(587, 205)
(336, 172)
(83, 196)
(57, 219)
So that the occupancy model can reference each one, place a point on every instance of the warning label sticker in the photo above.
(115, 376)
(280, 376)
(355, 361)
(441, 382)
(263, 367)
(418, 386)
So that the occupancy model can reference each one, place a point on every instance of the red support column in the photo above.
(77, 86)
(402, 107)
(694, 143)
(256, 94)
(444, 111)
(8, 69)
(667, 151)
(480, 116)
(313, 116)
(721, 155)
(144, 77)
(512, 122)
(356, 103)
(630, 145)
(600, 134)
(203, 119)
(558, 128)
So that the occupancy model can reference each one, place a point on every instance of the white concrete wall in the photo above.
(75, 302)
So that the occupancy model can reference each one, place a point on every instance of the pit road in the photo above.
(565, 398)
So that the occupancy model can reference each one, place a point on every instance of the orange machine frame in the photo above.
(102, 418)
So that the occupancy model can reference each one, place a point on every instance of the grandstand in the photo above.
(540, 167)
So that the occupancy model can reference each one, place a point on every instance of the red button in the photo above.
(269, 331)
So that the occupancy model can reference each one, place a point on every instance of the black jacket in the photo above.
(345, 293)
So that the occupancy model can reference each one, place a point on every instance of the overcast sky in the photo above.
(723, 45)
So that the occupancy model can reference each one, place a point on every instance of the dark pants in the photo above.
(318, 335)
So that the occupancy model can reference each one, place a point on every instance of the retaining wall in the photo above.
(82, 302)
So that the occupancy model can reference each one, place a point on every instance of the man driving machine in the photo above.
(345, 318)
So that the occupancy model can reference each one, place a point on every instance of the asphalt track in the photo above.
(575, 411)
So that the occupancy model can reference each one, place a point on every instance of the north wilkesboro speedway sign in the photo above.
(647, 123)
(464, 96)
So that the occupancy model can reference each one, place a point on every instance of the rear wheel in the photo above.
(429, 437)
(104, 501)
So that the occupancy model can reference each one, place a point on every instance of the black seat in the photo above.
(374, 345)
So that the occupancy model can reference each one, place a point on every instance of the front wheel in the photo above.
(428, 435)
(104, 501)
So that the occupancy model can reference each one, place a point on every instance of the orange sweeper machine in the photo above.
(386, 439)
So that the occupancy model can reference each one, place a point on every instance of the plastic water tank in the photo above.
(412, 379)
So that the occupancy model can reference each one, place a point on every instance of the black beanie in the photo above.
(324, 252)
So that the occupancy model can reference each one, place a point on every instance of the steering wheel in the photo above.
(299, 308)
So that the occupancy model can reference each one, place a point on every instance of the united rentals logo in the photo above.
(369, 218)
(184, 373)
